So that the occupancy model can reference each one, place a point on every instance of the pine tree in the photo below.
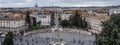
(28, 17)
(64, 23)
(8, 39)
(28, 20)
(34, 21)
(77, 21)
(111, 32)
(39, 23)
(52, 23)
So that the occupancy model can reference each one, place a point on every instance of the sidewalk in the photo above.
(37, 31)
(76, 30)
(63, 30)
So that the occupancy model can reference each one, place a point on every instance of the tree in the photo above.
(74, 20)
(52, 23)
(22, 32)
(28, 20)
(111, 32)
(28, 17)
(78, 21)
(84, 23)
(59, 18)
(34, 21)
(8, 39)
(39, 23)
(64, 23)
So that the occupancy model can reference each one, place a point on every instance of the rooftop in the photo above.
(11, 19)
(101, 18)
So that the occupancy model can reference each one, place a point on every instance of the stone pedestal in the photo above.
(57, 43)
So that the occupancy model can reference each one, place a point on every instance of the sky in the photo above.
(67, 3)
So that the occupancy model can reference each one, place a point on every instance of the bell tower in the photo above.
(36, 5)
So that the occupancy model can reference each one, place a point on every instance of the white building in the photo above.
(65, 16)
(95, 23)
(15, 25)
(114, 11)
(43, 18)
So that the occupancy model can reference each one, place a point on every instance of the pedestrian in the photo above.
(79, 41)
(74, 40)
(82, 43)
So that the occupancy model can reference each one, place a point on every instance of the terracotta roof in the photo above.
(101, 18)
(12, 19)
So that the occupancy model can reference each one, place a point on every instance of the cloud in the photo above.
(30, 3)
(11, 1)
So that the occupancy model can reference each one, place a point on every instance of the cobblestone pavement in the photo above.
(71, 38)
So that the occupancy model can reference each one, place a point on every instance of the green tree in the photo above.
(78, 21)
(8, 39)
(111, 32)
(52, 23)
(59, 18)
(64, 23)
(22, 32)
(28, 20)
(84, 23)
(34, 21)
(39, 23)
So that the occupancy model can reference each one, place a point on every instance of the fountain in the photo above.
(57, 30)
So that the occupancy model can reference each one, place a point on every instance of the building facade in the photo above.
(65, 16)
(95, 23)
(42, 18)
(114, 11)
(16, 25)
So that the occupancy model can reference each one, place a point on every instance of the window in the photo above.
(44, 17)
(14, 22)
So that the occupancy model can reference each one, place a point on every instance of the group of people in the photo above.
(47, 40)
(81, 42)
(36, 39)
